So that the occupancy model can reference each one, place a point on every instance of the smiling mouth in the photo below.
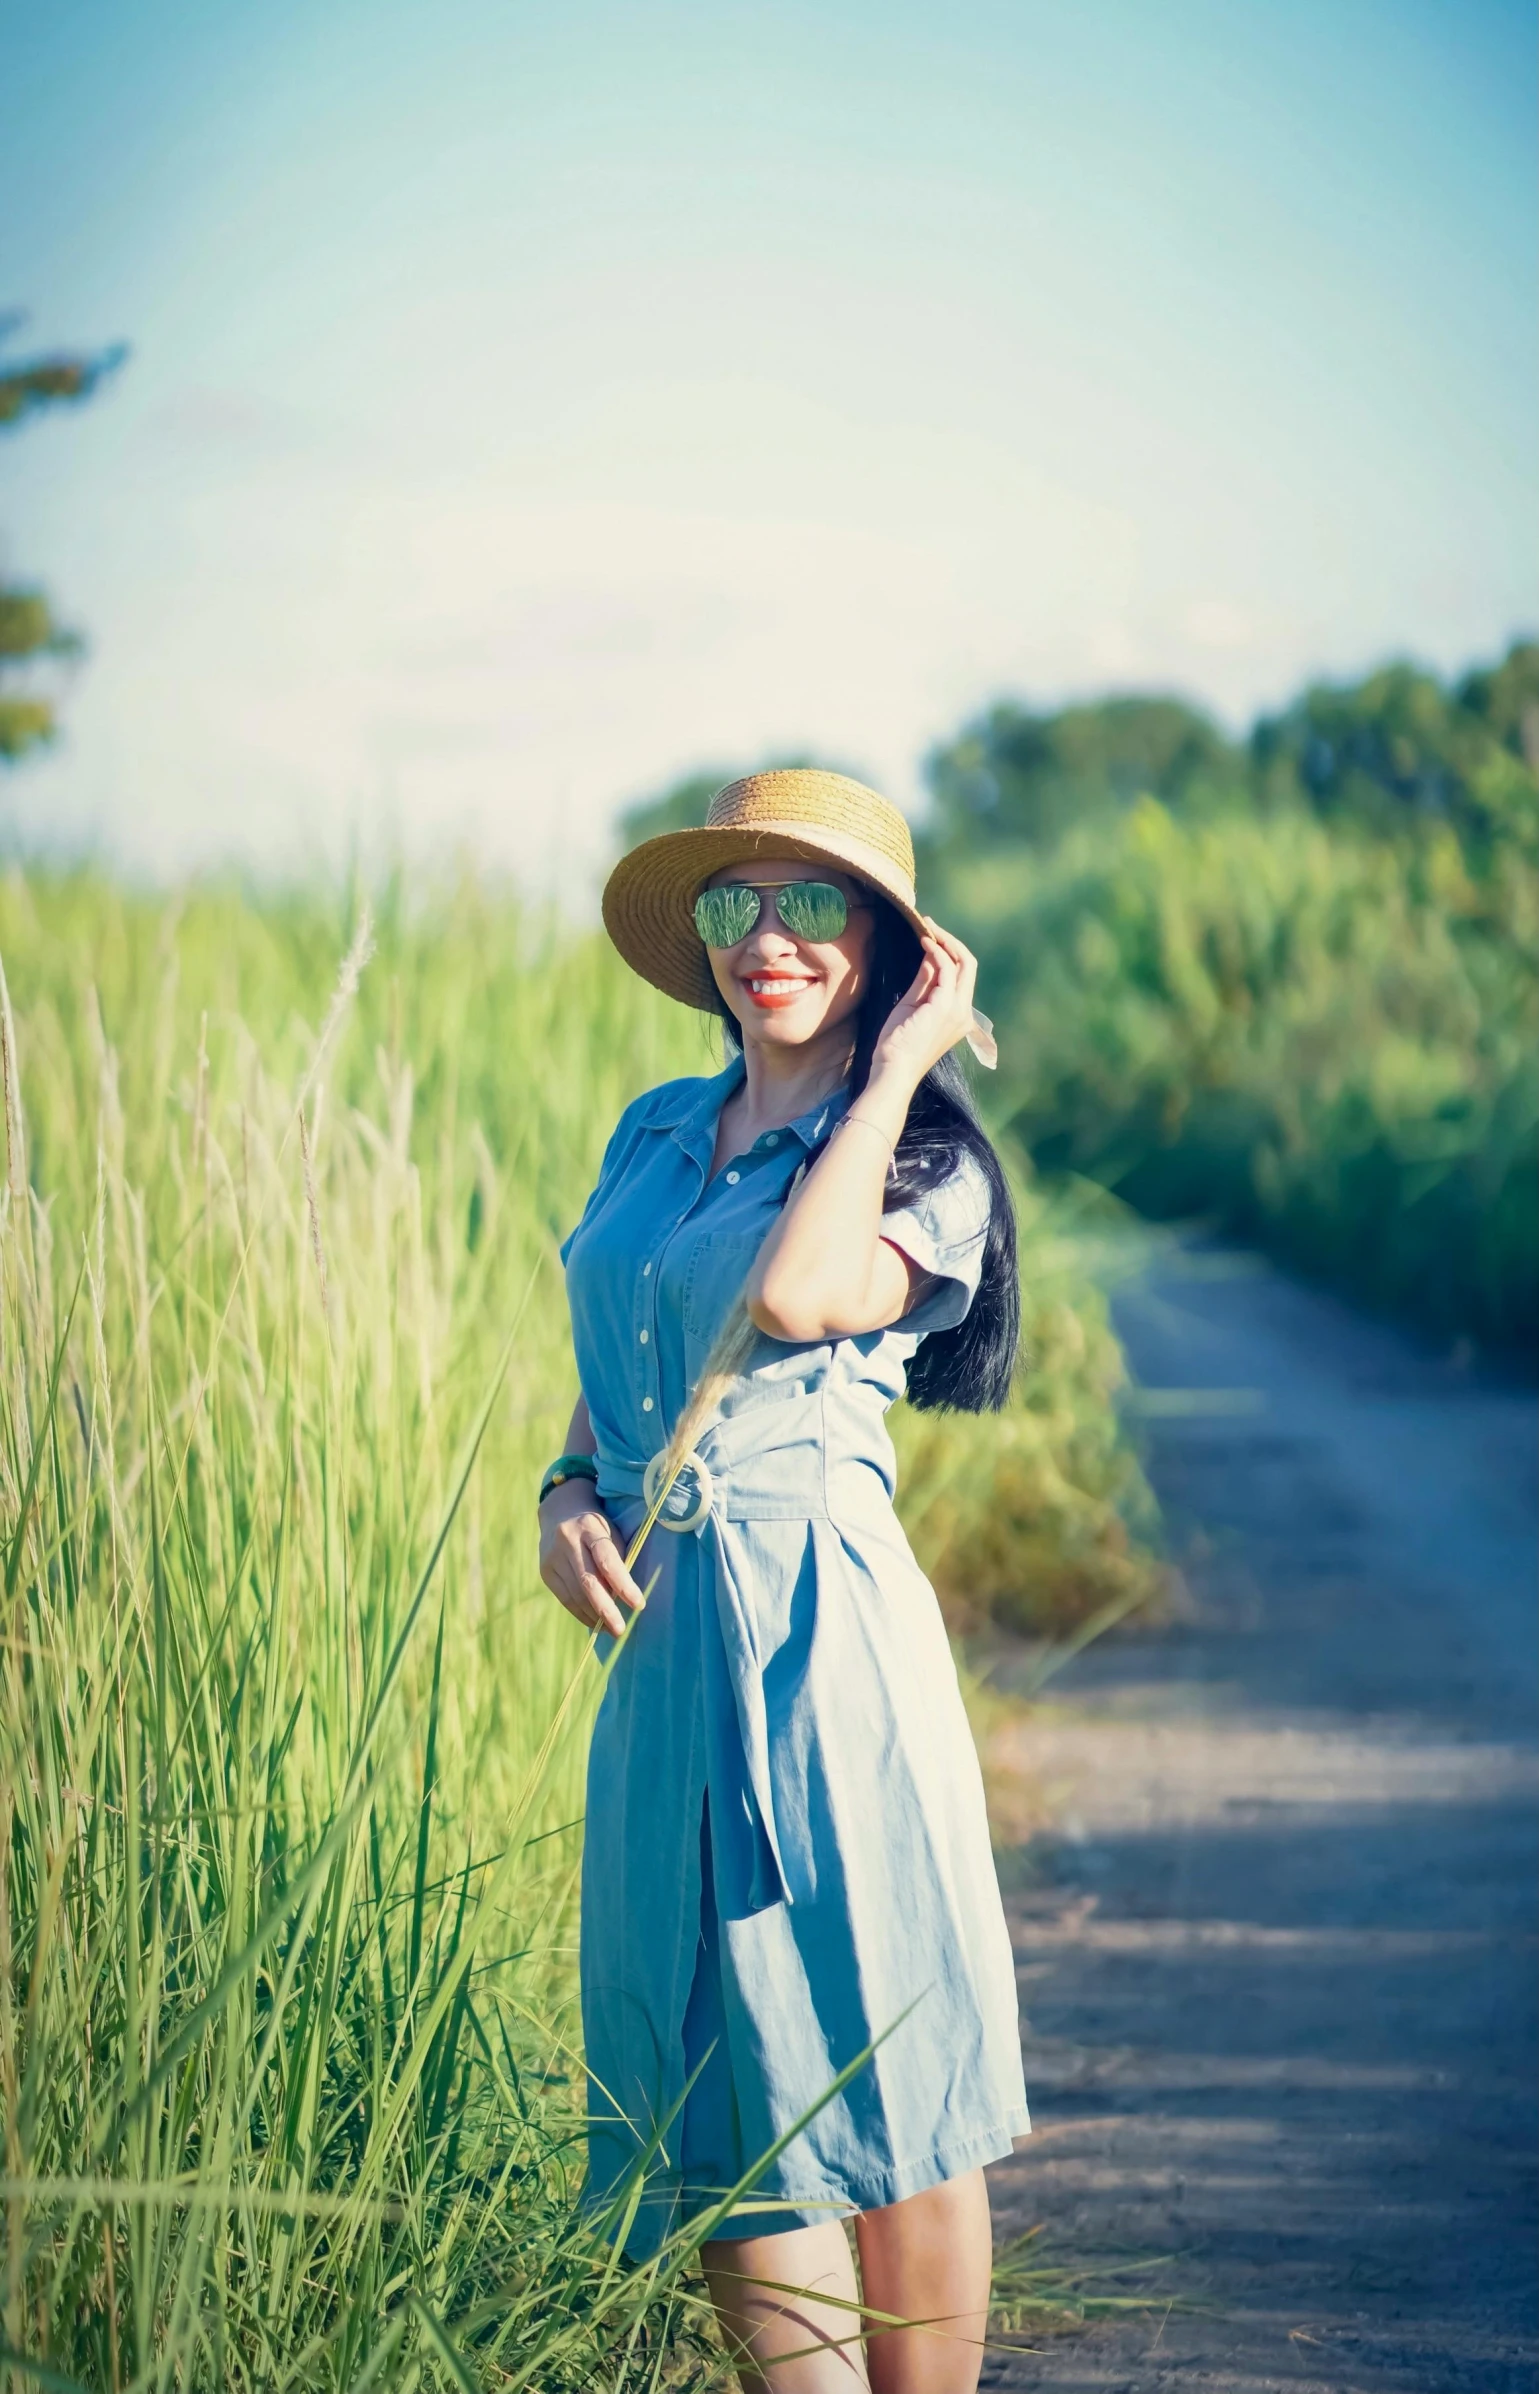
(775, 989)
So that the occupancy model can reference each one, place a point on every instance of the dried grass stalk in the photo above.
(720, 1372)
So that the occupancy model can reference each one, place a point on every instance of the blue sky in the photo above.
(529, 404)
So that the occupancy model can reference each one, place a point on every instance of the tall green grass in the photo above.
(1317, 1036)
(291, 1737)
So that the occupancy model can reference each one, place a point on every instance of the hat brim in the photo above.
(649, 898)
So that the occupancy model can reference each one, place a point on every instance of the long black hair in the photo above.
(969, 1368)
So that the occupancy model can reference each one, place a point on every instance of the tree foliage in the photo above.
(1397, 751)
(29, 629)
(1015, 774)
(1289, 984)
(1402, 747)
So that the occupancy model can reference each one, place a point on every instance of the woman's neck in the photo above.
(780, 1083)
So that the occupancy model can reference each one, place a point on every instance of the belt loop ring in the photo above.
(688, 1501)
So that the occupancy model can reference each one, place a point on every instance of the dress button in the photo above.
(733, 1178)
(643, 1338)
(646, 1271)
(646, 1404)
(772, 1139)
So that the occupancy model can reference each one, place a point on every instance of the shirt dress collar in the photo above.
(693, 1120)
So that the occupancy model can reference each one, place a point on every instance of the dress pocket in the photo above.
(720, 1264)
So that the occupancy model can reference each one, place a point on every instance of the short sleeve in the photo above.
(944, 1233)
(618, 1142)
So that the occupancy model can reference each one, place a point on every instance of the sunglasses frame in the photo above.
(775, 890)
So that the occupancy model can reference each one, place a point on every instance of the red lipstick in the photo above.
(770, 1001)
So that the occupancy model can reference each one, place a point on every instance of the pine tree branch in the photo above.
(37, 382)
(29, 628)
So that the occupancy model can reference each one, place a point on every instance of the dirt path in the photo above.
(1277, 1951)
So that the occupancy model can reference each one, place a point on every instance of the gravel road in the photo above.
(1277, 1941)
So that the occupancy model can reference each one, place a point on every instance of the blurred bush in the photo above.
(1296, 993)
(1039, 1517)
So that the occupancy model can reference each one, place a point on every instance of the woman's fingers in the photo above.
(924, 980)
(584, 1594)
(960, 964)
(585, 1569)
(936, 1012)
(604, 1612)
(573, 1601)
(565, 1584)
(948, 952)
(946, 1006)
(960, 954)
(607, 1560)
(948, 976)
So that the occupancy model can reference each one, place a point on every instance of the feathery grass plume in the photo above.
(15, 1142)
(719, 1374)
(353, 963)
(312, 1209)
(200, 1100)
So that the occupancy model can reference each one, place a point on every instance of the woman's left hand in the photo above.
(933, 1014)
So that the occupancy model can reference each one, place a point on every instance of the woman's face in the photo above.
(784, 991)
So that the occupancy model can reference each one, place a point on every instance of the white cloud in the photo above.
(1218, 623)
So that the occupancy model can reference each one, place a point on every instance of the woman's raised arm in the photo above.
(825, 1271)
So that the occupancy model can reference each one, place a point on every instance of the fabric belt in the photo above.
(765, 1462)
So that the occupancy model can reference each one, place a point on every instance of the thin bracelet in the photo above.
(863, 1122)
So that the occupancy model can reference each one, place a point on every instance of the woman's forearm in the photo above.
(579, 1430)
(825, 1270)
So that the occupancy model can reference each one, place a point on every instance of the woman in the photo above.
(787, 1859)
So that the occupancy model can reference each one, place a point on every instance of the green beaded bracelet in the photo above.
(564, 1468)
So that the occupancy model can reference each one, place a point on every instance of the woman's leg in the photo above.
(929, 2258)
(796, 2343)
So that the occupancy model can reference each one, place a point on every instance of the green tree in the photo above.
(29, 629)
(1400, 749)
(1014, 775)
(1399, 752)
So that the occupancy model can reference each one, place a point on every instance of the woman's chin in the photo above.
(784, 1026)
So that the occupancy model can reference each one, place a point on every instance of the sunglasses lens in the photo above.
(724, 916)
(812, 909)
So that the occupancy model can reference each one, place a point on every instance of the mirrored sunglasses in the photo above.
(812, 910)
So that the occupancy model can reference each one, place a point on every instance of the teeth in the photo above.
(775, 988)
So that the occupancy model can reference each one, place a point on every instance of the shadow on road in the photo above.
(1278, 1952)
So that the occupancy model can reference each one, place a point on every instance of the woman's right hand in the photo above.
(580, 1562)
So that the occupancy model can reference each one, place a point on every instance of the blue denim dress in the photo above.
(786, 1851)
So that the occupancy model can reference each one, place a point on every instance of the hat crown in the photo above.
(793, 796)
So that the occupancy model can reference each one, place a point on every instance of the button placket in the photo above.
(649, 1366)
(645, 1323)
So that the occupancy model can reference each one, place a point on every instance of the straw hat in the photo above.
(819, 818)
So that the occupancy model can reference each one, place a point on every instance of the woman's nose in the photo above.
(768, 942)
